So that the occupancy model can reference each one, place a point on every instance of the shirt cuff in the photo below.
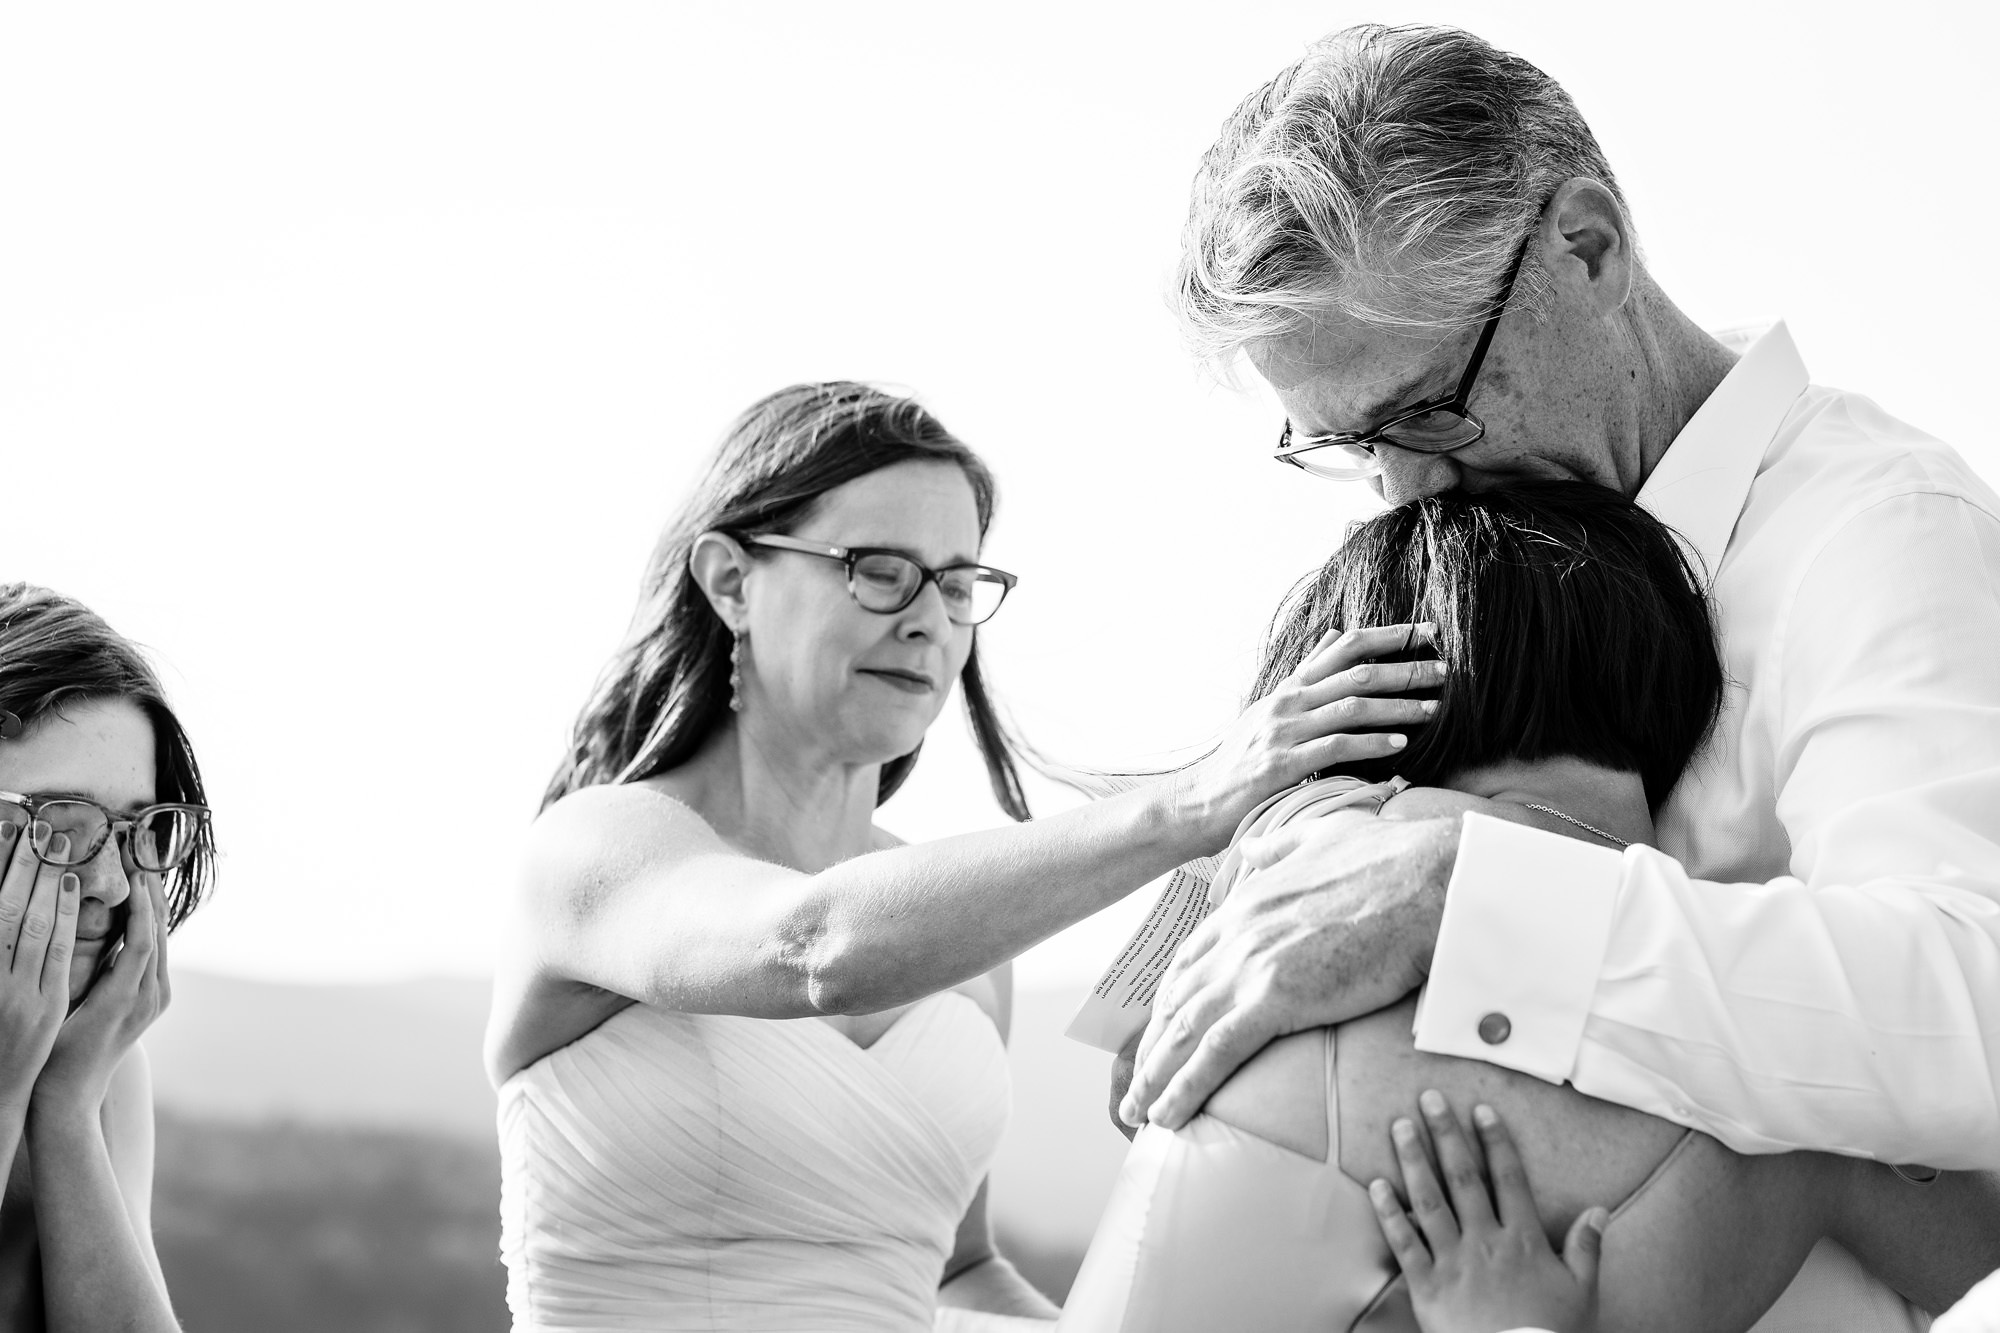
(1527, 916)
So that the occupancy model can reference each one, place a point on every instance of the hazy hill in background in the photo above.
(327, 1160)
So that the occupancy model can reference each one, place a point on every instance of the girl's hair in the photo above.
(55, 652)
(667, 685)
(1569, 620)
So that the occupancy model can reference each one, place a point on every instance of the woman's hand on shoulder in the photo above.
(1480, 1263)
(1339, 707)
(130, 992)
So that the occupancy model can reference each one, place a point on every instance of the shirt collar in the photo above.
(1699, 486)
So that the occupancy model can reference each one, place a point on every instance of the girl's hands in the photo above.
(1483, 1266)
(1323, 714)
(129, 993)
(38, 906)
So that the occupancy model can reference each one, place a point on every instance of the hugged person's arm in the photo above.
(1480, 1264)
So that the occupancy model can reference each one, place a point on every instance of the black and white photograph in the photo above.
(924, 668)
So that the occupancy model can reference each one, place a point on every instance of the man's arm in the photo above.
(1852, 1006)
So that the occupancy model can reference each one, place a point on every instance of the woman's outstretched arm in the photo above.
(631, 893)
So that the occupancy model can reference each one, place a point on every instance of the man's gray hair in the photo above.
(1391, 175)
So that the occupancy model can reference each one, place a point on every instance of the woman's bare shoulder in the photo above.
(592, 834)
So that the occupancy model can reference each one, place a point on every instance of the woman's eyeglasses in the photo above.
(886, 581)
(1435, 427)
(159, 836)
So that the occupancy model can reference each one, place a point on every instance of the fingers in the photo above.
(1338, 651)
(1229, 1041)
(62, 941)
(1584, 1246)
(1420, 1183)
(1331, 828)
(1170, 1038)
(1344, 748)
(1512, 1197)
(1370, 679)
(136, 954)
(1182, 978)
(1463, 1175)
(1404, 1243)
(161, 918)
(1266, 850)
(38, 921)
(20, 871)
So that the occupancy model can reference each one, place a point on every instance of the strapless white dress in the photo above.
(701, 1171)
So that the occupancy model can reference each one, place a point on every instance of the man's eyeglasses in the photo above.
(1434, 427)
(159, 836)
(886, 581)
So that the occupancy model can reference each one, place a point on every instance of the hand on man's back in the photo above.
(1339, 920)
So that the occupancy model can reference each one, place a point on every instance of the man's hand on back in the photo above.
(1339, 920)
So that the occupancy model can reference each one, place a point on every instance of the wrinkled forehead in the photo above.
(1335, 365)
(100, 749)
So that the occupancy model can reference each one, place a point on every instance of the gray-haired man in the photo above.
(1418, 243)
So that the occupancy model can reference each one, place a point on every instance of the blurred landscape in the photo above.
(326, 1155)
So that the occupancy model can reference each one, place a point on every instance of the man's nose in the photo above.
(1407, 475)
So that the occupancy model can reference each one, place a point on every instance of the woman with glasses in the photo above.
(104, 849)
(748, 1047)
(1581, 677)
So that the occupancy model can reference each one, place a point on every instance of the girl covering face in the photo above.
(104, 848)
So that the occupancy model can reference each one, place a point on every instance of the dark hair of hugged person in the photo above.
(56, 652)
(1570, 622)
(667, 685)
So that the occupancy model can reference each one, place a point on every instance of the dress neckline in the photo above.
(902, 1019)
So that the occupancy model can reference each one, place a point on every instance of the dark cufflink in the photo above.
(10, 725)
(1494, 1029)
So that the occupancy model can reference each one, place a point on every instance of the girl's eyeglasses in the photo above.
(159, 836)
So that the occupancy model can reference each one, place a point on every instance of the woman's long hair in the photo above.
(55, 652)
(1570, 622)
(667, 685)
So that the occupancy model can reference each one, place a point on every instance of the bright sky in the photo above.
(352, 356)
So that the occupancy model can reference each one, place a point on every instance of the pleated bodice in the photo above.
(701, 1171)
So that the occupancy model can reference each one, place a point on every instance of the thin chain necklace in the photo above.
(1572, 819)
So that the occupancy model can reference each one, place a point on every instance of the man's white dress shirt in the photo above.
(1811, 958)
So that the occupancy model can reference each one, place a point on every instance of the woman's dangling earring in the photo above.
(736, 673)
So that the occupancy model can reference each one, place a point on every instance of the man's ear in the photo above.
(1586, 245)
(719, 566)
